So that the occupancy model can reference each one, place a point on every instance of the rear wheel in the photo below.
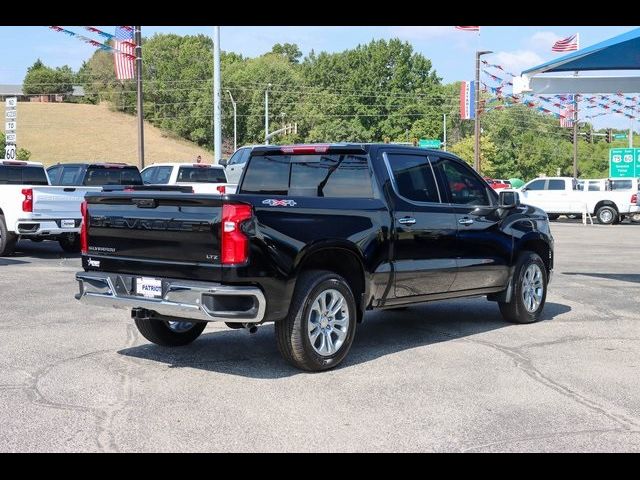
(635, 217)
(174, 333)
(607, 215)
(319, 329)
(8, 239)
(529, 290)
(70, 243)
(553, 216)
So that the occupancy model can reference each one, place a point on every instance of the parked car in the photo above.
(94, 174)
(31, 209)
(497, 184)
(316, 236)
(563, 196)
(202, 177)
(235, 165)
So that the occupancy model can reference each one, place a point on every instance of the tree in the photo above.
(43, 80)
(290, 51)
(465, 149)
(21, 153)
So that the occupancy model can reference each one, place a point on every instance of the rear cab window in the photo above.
(331, 175)
(203, 174)
(98, 175)
(22, 175)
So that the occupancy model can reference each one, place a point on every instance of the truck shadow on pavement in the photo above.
(236, 352)
(623, 277)
(43, 250)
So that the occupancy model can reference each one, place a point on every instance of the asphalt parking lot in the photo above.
(448, 376)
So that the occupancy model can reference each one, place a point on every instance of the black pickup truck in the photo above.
(315, 236)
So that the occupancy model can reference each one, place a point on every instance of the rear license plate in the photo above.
(68, 223)
(149, 287)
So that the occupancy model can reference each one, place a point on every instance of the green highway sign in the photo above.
(623, 162)
(429, 143)
(620, 136)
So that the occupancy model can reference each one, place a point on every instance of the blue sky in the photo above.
(451, 50)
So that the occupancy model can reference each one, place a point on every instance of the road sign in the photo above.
(10, 138)
(11, 102)
(620, 136)
(429, 143)
(11, 113)
(10, 126)
(10, 152)
(622, 162)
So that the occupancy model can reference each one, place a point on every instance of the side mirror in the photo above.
(509, 199)
(223, 162)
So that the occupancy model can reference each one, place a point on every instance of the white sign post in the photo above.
(10, 124)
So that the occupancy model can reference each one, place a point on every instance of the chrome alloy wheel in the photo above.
(532, 288)
(179, 327)
(328, 322)
(606, 216)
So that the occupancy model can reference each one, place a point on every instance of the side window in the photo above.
(414, 178)
(148, 175)
(594, 186)
(69, 176)
(556, 185)
(54, 174)
(464, 187)
(621, 185)
(163, 174)
(241, 156)
(245, 156)
(235, 157)
(536, 185)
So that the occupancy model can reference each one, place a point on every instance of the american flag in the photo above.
(124, 58)
(469, 29)
(568, 44)
(568, 112)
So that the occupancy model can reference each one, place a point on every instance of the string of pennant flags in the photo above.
(617, 103)
(95, 43)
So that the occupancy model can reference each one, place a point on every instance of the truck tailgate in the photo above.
(163, 234)
(59, 202)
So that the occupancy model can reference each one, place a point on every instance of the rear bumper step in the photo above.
(209, 302)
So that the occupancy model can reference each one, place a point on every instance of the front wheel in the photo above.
(169, 333)
(319, 329)
(529, 290)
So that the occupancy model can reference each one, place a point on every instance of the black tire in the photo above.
(607, 215)
(553, 216)
(574, 216)
(515, 310)
(292, 336)
(234, 325)
(70, 245)
(8, 239)
(158, 332)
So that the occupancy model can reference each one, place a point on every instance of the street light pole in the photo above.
(266, 115)
(476, 161)
(235, 125)
(217, 111)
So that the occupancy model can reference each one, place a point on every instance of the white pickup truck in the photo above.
(565, 196)
(30, 208)
(201, 177)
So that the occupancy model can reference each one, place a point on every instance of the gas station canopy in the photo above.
(620, 54)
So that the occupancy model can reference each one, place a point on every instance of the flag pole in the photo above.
(138, 39)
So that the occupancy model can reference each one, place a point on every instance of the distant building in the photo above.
(16, 91)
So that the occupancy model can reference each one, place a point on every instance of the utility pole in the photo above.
(631, 133)
(444, 121)
(235, 125)
(138, 38)
(217, 111)
(476, 163)
(575, 136)
(266, 115)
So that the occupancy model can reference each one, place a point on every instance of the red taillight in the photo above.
(84, 242)
(27, 203)
(634, 198)
(235, 244)
(302, 149)
(222, 189)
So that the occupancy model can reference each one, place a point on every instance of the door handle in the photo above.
(465, 221)
(407, 220)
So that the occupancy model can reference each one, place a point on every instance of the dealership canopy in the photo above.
(609, 66)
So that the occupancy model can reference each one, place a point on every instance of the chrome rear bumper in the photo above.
(209, 302)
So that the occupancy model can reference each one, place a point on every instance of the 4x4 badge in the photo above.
(272, 202)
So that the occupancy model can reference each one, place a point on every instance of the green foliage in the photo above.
(41, 80)
(290, 51)
(21, 153)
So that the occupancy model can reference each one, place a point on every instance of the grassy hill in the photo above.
(67, 132)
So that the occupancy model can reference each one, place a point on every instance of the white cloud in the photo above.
(421, 33)
(543, 40)
(517, 60)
